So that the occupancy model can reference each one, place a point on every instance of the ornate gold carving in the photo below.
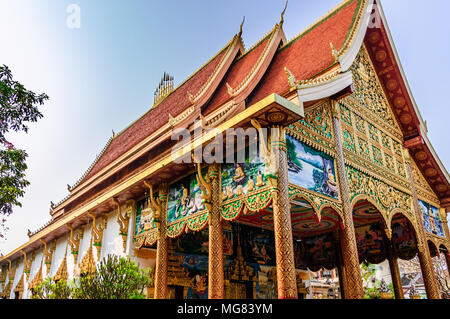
(369, 92)
(173, 121)
(48, 255)
(87, 265)
(124, 220)
(19, 287)
(205, 185)
(97, 232)
(37, 278)
(284, 250)
(156, 205)
(74, 241)
(62, 273)
(215, 251)
(27, 263)
(426, 264)
(353, 279)
(315, 129)
(163, 242)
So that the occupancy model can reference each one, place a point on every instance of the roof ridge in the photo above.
(81, 179)
(313, 25)
(193, 74)
(270, 36)
(175, 89)
(259, 42)
(78, 182)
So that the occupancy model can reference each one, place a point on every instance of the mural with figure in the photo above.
(316, 252)
(369, 239)
(242, 178)
(311, 169)
(431, 219)
(185, 198)
(144, 216)
(404, 240)
(191, 253)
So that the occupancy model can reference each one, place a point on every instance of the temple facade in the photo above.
(336, 170)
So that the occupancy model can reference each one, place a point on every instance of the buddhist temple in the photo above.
(321, 162)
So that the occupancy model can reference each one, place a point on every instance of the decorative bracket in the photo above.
(124, 220)
(156, 205)
(97, 232)
(74, 242)
(48, 255)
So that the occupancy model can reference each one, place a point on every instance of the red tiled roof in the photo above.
(304, 56)
(155, 118)
(308, 54)
(236, 75)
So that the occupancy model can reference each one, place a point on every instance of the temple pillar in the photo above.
(284, 248)
(340, 265)
(351, 266)
(447, 259)
(393, 267)
(215, 261)
(443, 215)
(426, 263)
(162, 247)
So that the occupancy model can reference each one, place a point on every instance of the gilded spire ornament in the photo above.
(240, 28)
(282, 13)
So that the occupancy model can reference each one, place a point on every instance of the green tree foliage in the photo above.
(50, 289)
(115, 278)
(18, 107)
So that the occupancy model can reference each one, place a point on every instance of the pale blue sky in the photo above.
(102, 76)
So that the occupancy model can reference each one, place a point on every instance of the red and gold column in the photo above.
(162, 246)
(447, 237)
(284, 246)
(340, 265)
(348, 238)
(215, 267)
(426, 264)
(393, 266)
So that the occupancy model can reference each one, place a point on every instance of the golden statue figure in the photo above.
(259, 180)
(239, 173)
(250, 184)
(205, 186)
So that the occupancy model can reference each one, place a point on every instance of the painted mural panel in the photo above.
(189, 263)
(144, 217)
(253, 260)
(185, 198)
(404, 240)
(311, 169)
(242, 178)
(314, 253)
(431, 220)
(369, 240)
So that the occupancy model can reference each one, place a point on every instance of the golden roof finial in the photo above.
(240, 28)
(282, 13)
